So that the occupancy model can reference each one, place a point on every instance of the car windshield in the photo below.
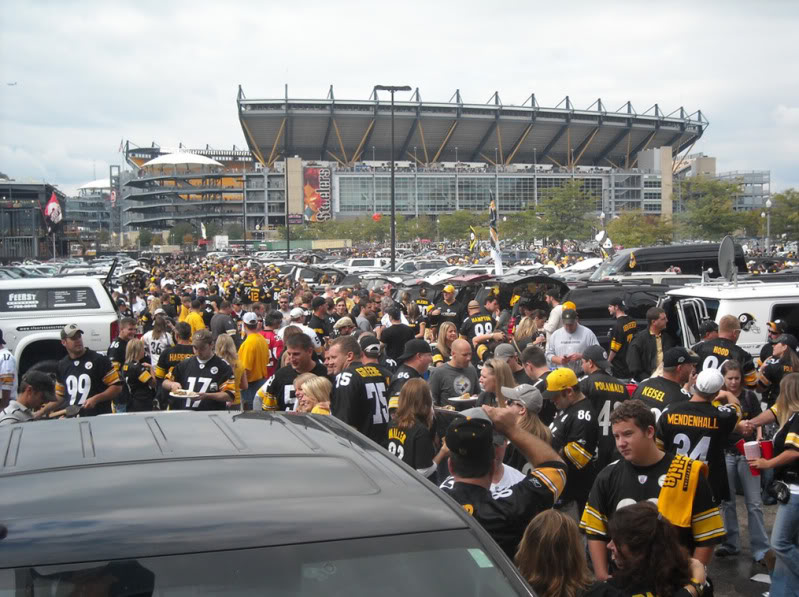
(609, 268)
(443, 563)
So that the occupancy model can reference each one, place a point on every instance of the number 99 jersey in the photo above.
(79, 379)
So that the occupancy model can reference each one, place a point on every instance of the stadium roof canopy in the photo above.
(349, 131)
(100, 183)
(174, 159)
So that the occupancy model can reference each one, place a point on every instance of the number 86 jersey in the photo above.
(80, 379)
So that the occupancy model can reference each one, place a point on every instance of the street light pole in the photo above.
(392, 89)
(768, 224)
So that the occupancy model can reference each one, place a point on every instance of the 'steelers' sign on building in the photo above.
(318, 192)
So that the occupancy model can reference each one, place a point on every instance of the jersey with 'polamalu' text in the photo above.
(574, 435)
(622, 332)
(622, 484)
(210, 377)
(713, 353)
(477, 325)
(658, 392)
(506, 515)
(79, 379)
(605, 393)
(359, 399)
(278, 392)
(700, 431)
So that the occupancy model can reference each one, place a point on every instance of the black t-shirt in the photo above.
(548, 409)
(605, 393)
(658, 392)
(713, 353)
(574, 434)
(521, 377)
(454, 312)
(750, 408)
(359, 399)
(701, 431)
(321, 327)
(394, 337)
(506, 516)
(208, 312)
(622, 483)
(398, 379)
(79, 379)
(787, 438)
(770, 376)
(414, 445)
(278, 391)
(622, 333)
(215, 375)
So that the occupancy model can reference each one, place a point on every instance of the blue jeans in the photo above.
(248, 395)
(737, 468)
(785, 541)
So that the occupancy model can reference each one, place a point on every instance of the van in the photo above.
(228, 503)
(691, 259)
(34, 310)
(753, 302)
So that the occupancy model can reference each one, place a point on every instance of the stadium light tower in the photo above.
(392, 89)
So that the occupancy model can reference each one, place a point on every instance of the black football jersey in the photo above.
(624, 328)
(506, 515)
(414, 445)
(278, 391)
(398, 379)
(713, 353)
(700, 431)
(787, 438)
(770, 376)
(574, 435)
(658, 392)
(605, 393)
(622, 484)
(207, 313)
(170, 358)
(321, 327)
(137, 379)
(79, 379)
(359, 399)
(215, 375)
(477, 325)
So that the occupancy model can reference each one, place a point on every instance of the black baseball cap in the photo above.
(569, 315)
(708, 326)
(369, 345)
(317, 302)
(617, 301)
(413, 347)
(41, 382)
(470, 437)
(598, 356)
(788, 339)
(679, 356)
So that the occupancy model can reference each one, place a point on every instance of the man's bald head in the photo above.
(460, 353)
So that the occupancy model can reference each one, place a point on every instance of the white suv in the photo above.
(34, 310)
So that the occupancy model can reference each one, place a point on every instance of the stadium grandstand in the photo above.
(316, 159)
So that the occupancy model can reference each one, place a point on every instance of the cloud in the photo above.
(92, 73)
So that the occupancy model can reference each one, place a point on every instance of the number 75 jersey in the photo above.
(79, 379)
(359, 399)
(700, 431)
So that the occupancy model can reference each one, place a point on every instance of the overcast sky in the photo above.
(78, 77)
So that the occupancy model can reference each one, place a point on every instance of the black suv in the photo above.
(233, 504)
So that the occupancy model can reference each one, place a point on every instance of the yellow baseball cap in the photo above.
(569, 305)
(559, 380)
(449, 288)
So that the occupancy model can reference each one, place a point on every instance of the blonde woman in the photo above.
(225, 349)
(316, 395)
(147, 317)
(299, 391)
(526, 401)
(447, 334)
(494, 376)
(138, 377)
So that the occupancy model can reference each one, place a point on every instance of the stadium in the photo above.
(315, 159)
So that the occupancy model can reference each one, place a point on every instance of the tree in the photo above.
(636, 229)
(179, 233)
(708, 208)
(455, 226)
(145, 237)
(785, 215)
(212, 228)
(234, 231)
(562, 215)
(103, 236)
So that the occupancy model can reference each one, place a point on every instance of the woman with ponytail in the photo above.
(648, 555)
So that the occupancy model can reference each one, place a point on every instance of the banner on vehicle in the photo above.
(317, 187)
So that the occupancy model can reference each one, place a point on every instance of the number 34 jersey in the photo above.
(80, 379)
(700, 431)
(215, 375)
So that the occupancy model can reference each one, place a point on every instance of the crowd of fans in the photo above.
(555, 446)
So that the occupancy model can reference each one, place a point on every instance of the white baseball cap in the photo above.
(709, 381)
(249, 318)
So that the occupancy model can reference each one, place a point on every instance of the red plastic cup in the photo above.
(767, 449)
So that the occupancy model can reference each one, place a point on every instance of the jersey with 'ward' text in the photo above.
(701, 431)
(658, 392)
(605, 393)
(215, 375)
(79, 379)
(359, 399)
(713, 353)
(622, 484)
(278, 392)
